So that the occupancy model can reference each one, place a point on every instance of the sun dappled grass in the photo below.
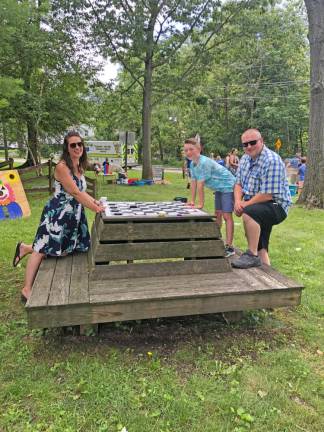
(175, 375)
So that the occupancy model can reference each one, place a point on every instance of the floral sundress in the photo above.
(63, 228)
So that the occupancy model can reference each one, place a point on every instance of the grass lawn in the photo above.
(189, 374)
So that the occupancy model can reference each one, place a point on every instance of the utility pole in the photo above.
(126, 149)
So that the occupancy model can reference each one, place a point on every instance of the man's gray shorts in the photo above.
(224, 201)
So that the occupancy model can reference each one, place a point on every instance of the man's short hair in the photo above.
(252, 130)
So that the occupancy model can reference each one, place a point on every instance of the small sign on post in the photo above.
(278, 144)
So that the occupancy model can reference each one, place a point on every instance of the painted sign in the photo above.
(13, 200)
(114, 151)
(278, 144)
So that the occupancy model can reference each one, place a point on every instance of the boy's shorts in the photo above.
(224, 201)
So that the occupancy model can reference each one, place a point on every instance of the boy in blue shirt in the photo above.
(207, 172)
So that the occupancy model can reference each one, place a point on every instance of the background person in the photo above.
(63, 227)
(262, 197)
(96, 168)
(219, 160)
(105, 166)
(292, 168)
(227, 161)
(207, 172)
(301, 174)
(233, 161)
(116, 168)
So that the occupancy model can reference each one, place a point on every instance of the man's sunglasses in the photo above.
(251, 143)
(79, 144)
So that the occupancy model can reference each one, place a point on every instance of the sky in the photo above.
(109, 72)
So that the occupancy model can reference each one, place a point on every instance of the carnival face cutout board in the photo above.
(13, 200)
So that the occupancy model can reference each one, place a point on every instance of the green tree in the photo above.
(147, 36)
(40, 54)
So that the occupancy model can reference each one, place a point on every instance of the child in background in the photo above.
(207, 172)
(301, 174)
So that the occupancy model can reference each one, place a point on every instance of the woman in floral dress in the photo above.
(63, 228)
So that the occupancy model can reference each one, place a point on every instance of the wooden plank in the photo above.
(79, 285)
(60, 288)
(34, 179)
(99, 224)
(155, 250)
(36, 189)
(280, 277)
(262, 276)
(177, 286)
(272, 272)
(94, 243)
(130, 271)
(42, 284)
(160, 231)
(94, 313)
(32, 168)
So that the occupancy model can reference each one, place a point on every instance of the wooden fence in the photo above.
(8, 164)
(30, 174)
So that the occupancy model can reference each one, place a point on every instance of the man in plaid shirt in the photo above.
(261, 196)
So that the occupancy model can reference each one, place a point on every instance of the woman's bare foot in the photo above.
(26, 292)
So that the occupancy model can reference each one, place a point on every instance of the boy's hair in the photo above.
(192, 141)
(303, 159)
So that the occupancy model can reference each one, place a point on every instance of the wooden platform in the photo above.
(64, 294)
(153, 268)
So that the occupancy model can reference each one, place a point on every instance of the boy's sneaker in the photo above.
(247, 260)
(229, 251)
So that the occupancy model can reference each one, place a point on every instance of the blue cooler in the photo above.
(293, 189)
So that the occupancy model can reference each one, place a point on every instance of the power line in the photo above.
(249, 98)
(266, 84)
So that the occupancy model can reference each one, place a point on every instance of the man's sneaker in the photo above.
(247, 260)
(229, 251)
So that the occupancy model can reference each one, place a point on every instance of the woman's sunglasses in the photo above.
(79, 144)
(251, 143)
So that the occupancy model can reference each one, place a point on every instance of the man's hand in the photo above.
(238, 207)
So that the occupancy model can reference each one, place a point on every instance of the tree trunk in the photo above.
(32, 143)
(146, 120)
(147, 96)
(32, 157)
(313, 191)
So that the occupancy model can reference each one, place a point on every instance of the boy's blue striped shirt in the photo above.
(215, 176)
(266, 174)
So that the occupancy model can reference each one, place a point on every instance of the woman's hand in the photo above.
(98, 206)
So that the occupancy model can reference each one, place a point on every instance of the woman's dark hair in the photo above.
(66, 156)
